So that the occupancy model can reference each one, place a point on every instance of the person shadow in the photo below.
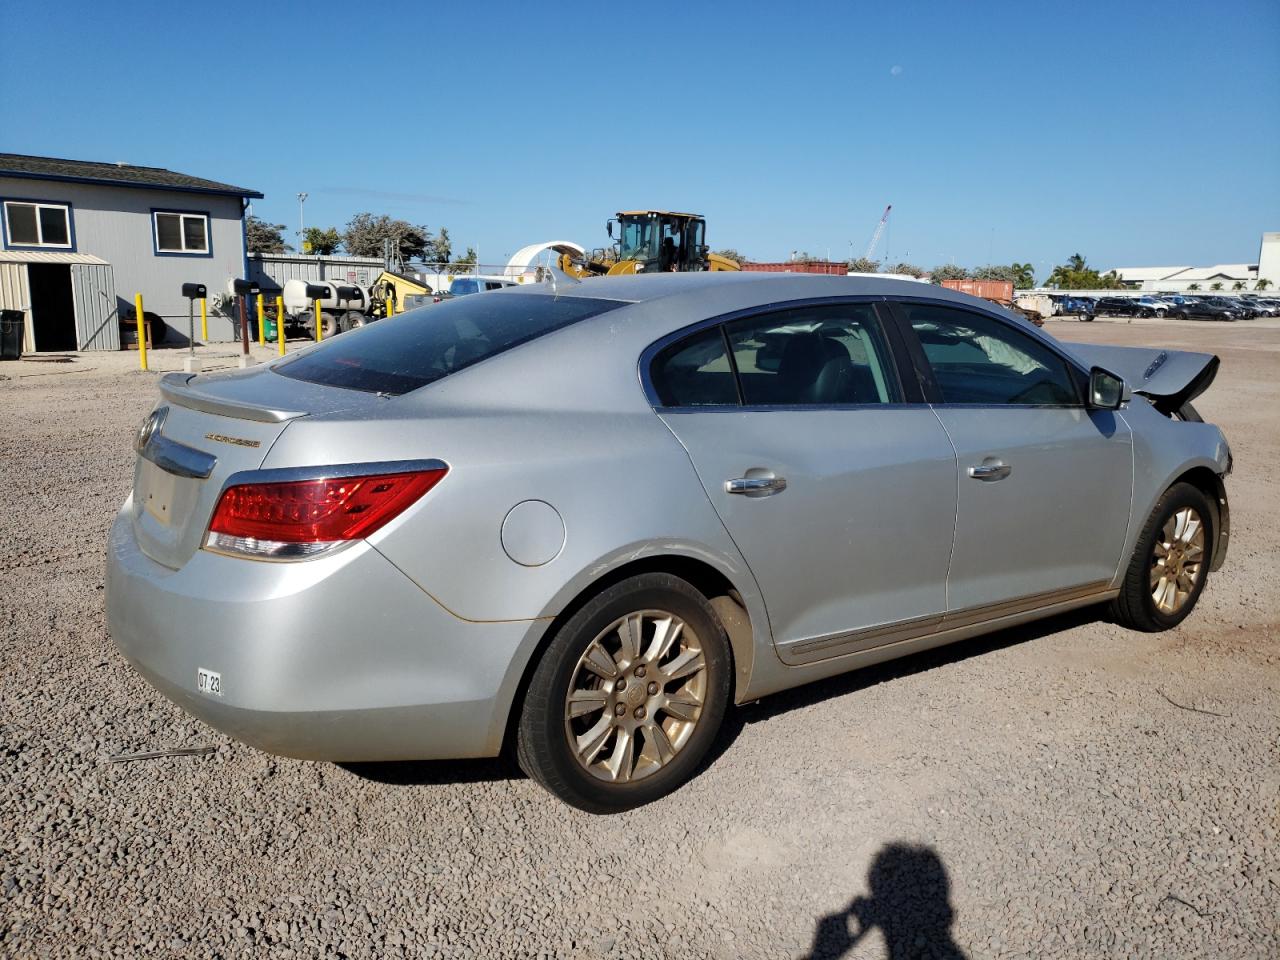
(910, 904)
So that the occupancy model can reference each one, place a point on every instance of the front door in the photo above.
(1043, 482)
(840, 496)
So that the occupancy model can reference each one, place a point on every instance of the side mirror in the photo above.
(1106, 390)
(608, 226)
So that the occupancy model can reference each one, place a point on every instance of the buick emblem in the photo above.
(151, 426)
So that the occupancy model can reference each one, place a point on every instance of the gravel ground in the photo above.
(1062, 790)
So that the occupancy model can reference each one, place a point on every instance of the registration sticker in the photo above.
(208, 681)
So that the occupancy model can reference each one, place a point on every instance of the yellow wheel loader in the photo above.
(652, 241)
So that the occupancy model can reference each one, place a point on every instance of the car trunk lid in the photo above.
(213, 427)
(1168, 378)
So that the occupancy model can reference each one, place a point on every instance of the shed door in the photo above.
(97, 323)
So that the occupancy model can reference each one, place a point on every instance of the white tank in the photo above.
(297, 302)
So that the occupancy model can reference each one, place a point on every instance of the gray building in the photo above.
(78, 240)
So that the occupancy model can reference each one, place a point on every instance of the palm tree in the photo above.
(1262, 284)
(1194, 286)
(1238, 285)
(1215, 286)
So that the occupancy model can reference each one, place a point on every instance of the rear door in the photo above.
(1044, 483)
(836, 484)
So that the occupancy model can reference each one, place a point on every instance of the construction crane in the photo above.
(875, 237)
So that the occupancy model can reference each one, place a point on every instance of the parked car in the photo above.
(478, 283)
(1192, 309)
(1243, 309)
(1153, 306)
(427, 541)
(1266, 307)
(1119, 307)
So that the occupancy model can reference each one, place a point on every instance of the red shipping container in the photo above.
(999, 290)
(830, 267)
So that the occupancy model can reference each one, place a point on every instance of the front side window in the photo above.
(182, 232)
(813, 356)
(32, 224)
(976, 359)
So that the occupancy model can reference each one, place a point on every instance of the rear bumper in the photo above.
(341, 658)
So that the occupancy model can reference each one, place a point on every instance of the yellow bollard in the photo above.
(280, 323)
(204, 321)
(319, 332)
(142, 335)
(262, 326)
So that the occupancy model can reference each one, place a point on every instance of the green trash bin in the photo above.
(11, 324)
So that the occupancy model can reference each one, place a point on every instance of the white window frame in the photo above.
(182, 216)
(38, 205)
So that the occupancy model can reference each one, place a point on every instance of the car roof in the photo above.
(764, 286)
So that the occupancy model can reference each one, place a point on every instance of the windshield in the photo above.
(460, 287)
(414, 349)
(639, 239)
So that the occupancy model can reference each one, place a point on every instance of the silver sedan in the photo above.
(580, 520)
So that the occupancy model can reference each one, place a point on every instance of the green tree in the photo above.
(1024, 275)
(1262, 284)
(321, 242)
(1238, 285)
(438, 249)
(366, 232)
(733, 255)
(467, 262)
(910, 269)
(263, 237)
(859, 265)
(1193, 286)
(1076, 274)
(948, 271)
(1216, 285)
(1021, 275)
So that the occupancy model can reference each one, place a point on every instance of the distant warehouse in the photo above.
(79, 239)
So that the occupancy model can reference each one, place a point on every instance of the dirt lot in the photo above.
(1068, 789)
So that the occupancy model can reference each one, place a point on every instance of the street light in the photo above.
(302, 198)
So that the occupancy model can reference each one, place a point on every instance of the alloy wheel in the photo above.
(1177, 560)
(636, 696)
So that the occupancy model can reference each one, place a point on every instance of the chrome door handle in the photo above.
(756, 486)
(990, 471)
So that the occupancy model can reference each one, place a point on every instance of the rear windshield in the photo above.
(414, 349)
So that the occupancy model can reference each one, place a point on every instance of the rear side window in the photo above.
(695, 373)
(809, 356)
(815, 356)
(416, 348)
(976, 359)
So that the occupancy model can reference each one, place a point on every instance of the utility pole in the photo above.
(302, 230)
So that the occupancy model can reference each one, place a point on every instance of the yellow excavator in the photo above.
(651, 241)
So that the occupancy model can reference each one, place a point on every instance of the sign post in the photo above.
(193, 292)
(242, 289)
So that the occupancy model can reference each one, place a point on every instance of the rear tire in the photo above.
(609, 722)
(331, 325)
(1170, 563)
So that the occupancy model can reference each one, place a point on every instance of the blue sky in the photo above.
(1136, 134)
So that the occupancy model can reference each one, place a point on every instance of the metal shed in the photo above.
(69, 299)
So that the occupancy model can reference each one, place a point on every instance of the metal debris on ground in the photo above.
(155, 754)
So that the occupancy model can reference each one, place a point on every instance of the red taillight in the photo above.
(317, 511)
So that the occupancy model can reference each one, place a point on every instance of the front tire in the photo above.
(628, 698)
(1170, 563)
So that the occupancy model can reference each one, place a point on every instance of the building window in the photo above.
(33, 224)
(181, 232)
